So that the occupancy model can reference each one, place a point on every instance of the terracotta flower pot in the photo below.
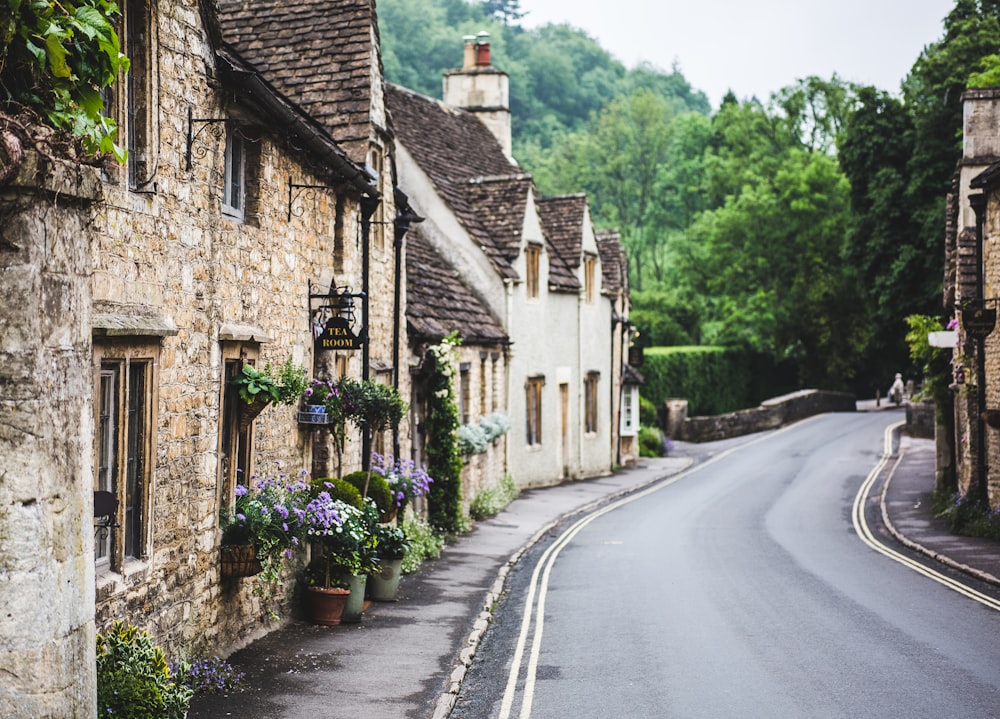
(326, 606)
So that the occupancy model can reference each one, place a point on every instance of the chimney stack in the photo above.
(481, 89)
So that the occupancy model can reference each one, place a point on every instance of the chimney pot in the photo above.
(482, 49)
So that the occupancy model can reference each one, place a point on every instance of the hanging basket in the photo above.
(239, 560)
(249, 411)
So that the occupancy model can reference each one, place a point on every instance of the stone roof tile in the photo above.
(614, 263)
(438, 302)
(316, 43)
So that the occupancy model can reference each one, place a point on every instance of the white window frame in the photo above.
(234, 191)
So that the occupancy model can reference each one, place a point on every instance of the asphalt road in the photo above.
(738, 589)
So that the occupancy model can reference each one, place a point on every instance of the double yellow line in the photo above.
(535, 613)
(868, 537)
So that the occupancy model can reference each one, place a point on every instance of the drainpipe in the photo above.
(401, 225)
(580, 398)
(369, 203)
(508, 325)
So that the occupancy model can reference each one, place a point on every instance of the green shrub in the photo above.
(423, 542)
(378, 489)
(493, 500)
(651, 443)
(339, 489)
(134, 680)
(648, 416)
(967, 516)
(713, 380)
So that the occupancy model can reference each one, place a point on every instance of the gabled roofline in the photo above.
(289, 119)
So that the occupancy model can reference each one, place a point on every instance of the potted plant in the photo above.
(342, 544)
(263, 526)
(406, 480)
(259, 388)
(391, 546)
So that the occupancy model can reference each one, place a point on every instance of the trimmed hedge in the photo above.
(713, 380)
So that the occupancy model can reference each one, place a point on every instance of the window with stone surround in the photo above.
(234, 187)
(235, 436)
(124, 404)
(131, 101)
(465, 392)
(482, 384)
(590, 383)
(241, 176)
(533, 421)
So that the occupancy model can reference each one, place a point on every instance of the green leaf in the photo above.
(57, 55)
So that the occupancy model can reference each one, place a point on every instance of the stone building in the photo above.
(440, 303)
(534, 264)
(258, 188)
(972, 293)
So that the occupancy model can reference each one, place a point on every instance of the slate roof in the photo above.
(486, 191)
(316, 53)
(438, 302)
(562, 222)
(561, 217)
(614, 263)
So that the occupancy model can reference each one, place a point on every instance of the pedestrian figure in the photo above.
(896, 391)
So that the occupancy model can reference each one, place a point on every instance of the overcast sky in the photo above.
(755, 47)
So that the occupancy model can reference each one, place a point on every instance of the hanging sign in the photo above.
(337, 337)
(978, 321)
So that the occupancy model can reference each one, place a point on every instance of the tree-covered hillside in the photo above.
(804, 228)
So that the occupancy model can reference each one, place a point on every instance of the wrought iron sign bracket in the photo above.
(295, 190)
(331, 319)
(212, 122)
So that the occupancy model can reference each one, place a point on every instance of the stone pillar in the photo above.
(46, 437)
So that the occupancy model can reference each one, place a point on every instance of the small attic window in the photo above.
(589, 278)
(532, 256)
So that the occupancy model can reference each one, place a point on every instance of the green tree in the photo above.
(899, 272)
(55, 59)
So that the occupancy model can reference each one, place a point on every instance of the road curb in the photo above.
(460, 666)
(916, 546)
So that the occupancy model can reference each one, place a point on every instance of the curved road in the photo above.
(738, 589)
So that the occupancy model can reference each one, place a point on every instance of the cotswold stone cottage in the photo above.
(972, 293)
(535, 266)
(259, 181)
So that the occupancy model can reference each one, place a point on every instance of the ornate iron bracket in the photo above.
(211, 122)
(295, 190)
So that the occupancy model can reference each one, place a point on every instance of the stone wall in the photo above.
(770, 414)
(46, 505)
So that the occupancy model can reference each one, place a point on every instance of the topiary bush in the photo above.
(378, 490)
(134, 680)
(338, 489)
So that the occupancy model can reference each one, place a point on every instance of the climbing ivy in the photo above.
(444, 462)
(55, 58)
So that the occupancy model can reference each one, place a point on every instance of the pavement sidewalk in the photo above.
(408, 658)
(906, 511)
(401, 661)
